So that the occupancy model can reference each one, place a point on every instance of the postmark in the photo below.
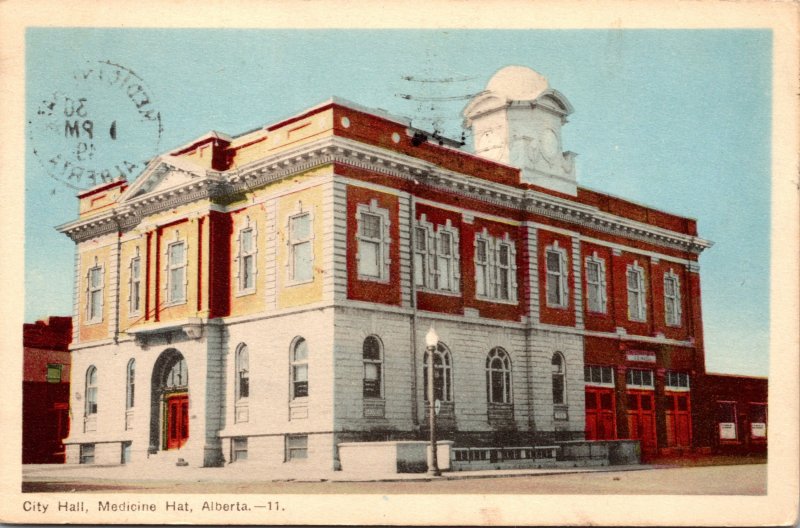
(98, 124)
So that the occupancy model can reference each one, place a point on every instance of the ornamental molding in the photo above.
(325, 151)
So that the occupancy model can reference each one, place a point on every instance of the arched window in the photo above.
(300, 368)
(242, 372)
(178, 375)
(91, 391)
(372, 367)
(498, 376)
(442, 374)
(130, 384)
(559, 386)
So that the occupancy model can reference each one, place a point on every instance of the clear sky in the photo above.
(675, 119)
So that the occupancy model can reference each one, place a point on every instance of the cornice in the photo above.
(345, 151)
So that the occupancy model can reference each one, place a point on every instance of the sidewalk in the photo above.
(254, 472)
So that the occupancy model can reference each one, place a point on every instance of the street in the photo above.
(745, 479)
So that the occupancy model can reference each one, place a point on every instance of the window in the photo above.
(595, 284)
(238, 449)
(676, 380)
(373, 242)
(296, 447)
(136, 285)
(639, 378)
(556, 281)
(178, 374)
(87, 454)
(636, 293)
(421, 256)
(247, 260)
(242, 373)
(300, 368)
(672, 299)
(726, 420)
(495, 268)
(559, 387)
(91, 391)
(54, 373)
(595, 375)
(95, 294)
(176, 265)
(130, 384)
(498, 376)
(372, 367)
(442, 374)
(301, 257)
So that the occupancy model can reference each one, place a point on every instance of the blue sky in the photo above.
(675, 119)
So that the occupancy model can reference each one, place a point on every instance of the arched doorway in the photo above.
(169, 403)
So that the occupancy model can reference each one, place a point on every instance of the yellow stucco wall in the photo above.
(248, 301)
(96, 252)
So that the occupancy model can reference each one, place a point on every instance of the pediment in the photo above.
(162, 174)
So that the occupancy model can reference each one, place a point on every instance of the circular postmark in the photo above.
(95, 126)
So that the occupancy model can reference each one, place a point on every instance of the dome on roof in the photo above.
(518, 83)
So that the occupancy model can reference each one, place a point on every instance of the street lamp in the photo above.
(431, 340)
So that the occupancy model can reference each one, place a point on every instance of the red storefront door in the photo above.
(600, 414)
(679, 419)
(642, 420)
(177, 421)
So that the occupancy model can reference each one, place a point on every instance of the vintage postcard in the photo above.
(472, 263)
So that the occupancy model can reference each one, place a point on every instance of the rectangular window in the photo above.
(636, 293)
(238, 449)
(176, 258)
(296, 447)
(726, 420)
(640, 378)
(302, 266)
(503, 272)
(247, 260)
(372, 380)
(54, 373)
(676, 380)
(556, 277)
(482, 268)
(87, 454)
(444, 261)
(595, 285)
(96, 294)
(136, 285)
(420, 256)
(370, 260)
(672, 308)
(596, 375)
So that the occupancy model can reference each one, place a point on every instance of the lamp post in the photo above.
(431, 341)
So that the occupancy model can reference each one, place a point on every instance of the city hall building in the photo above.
(266, 296)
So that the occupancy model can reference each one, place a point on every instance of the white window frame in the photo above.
(130, 385)
(637, 313)
(562, 373)
(296, 452)
(631, 383)
(672, 317)
(383, 241)
(91, 392)
(446, 367)
(241, 258)
(170, 266)
(292, 243)
(293, 364)
(561, 276)
(672, 381)
(495, 269)
(588, 369)
(423, 236)
(242, 366)
(504, 370)
(135, 286)
(599, 286)
(95, 316)
(377, 363)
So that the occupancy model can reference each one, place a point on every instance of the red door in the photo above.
(642, 420)
(679, 419)
(600, 414)
(177, 421)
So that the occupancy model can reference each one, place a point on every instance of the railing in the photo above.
(494, 455)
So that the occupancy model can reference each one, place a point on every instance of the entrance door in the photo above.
(600, 414)
(177, 421)
(679, 419)
(642, 420)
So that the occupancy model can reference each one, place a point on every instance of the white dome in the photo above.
(518, 83)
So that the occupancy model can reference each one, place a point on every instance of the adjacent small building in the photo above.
(45, 390)
(266, 296)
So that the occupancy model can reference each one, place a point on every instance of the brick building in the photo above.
(45, 390)
(266, 296)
